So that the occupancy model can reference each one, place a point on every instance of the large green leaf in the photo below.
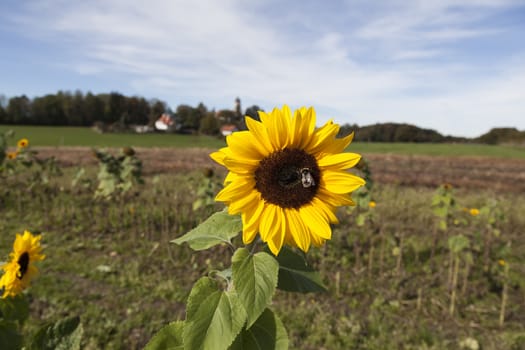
(14, 308)
(168, 338)
(295, 275)
(62, 335)
(255, 279)
(457, 243)
(10, 339)
(219, 228)
(267, 333)
(213, 317)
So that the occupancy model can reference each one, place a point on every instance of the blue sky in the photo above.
(454, 66)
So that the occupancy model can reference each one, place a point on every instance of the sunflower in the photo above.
(287, 178)
(11, 155)
(23, 143)
(19, 271)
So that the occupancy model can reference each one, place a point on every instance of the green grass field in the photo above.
(75, 136)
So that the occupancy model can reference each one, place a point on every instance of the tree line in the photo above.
(78, 109)
(116, 112)
(113, 109)
(396, 132)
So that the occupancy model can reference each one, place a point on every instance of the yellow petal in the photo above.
(253, 216)
(315, 221)
(339, 161)
(296, 130)
(339, 145)
(307, 127)
(318, 241)
(275, 129)
(323, 137)
(251, 220)
(241, 165)
(268, 222)
(244, 143)
(298, 230)
(241, 203)
(284, 127)
(276, 239)
(235, 190)
(340, 181)
(220, 155)
(260, 133)
(334, 199)
(326, 210)
(230, 177)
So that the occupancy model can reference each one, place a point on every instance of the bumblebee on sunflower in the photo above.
(286, 178)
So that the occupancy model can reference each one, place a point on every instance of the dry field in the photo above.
(506, 175)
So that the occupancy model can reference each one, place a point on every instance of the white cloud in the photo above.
(392, 65)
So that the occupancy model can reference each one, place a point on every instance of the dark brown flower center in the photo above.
(23, 262)
(288, 178)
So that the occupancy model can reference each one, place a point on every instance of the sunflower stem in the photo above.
(504, 295)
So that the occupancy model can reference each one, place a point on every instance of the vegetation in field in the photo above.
(397, 276)
(111, 264)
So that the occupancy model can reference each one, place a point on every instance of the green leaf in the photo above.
(295, 275)
(62, 335)
(219, 228)
(14, 308)
(457, 243)
(255, 279)
(168, 338)
(360, 220)
(10, 339)
(213, 317)
(267, 333)
(440, 211)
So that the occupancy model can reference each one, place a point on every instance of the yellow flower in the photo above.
(23, 143)
(19, 271)
(501, 262)
(372, 204)
(287, 178)
(11, 155)
(474, 212)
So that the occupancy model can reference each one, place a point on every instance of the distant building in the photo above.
(228, 129)
(237, 109)
(166, 122)
(143, 129)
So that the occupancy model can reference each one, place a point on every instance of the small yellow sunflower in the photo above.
(474, 212)
(287, 178)
(23, 143)
(372, 204)
(19, 271)
(11, 155)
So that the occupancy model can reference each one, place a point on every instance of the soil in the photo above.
(461, 172)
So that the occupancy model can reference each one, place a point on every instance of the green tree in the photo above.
(93, 109)
(3, 112)
(189, 118)
(19, 110)
(48, 110)
(209, 125)
(115, 107)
